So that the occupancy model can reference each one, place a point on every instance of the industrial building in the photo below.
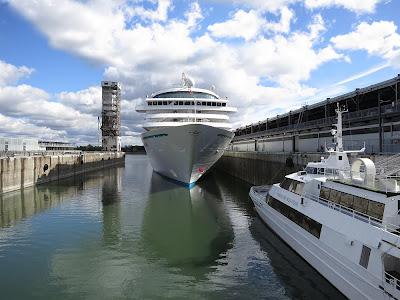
(19, 144)
(57, 146)
(15, 145)
(373, 117)
(111, 121)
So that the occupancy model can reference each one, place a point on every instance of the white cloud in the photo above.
(10, 74)
(35, 109)
(284, 24)
(363, 6)
(87, 100)
(160, 14)
(243, 24)
(266, 5)
(147, 56)
(248, 25)
(377, 38)
(17, 127)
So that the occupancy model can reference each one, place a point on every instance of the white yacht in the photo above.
(341, 218)
(187, 130)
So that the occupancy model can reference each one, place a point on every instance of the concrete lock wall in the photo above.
(20, 172)
(260, 168)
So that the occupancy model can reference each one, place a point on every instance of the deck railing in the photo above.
(392, 281)
(355, 214)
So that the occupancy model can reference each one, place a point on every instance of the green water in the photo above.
(128, 233)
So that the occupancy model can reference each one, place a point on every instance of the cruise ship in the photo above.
(187, 130)
(342, 215)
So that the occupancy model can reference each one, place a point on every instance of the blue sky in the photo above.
(267, 56)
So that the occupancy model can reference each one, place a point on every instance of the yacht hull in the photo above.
(334, 267)
(184, 153)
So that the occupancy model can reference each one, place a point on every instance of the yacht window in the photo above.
(285, 184)
(150, 103)
(208, 103)
(203, 103)
(364, 258)
(325, 193)
(347, 200)
(159, 102)
(299, 188)
(375, 209)
(198, 103)
(301, 220)
(335, 196)
(218, 104)
(180, 102)
(187, 103)
(360, 204)
(340, 157)
(214, 104)
(223, 104)
(321, 171)
(293, 186)
(164, 102)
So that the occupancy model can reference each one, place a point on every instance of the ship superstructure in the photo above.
(187, 130)
(341, 217)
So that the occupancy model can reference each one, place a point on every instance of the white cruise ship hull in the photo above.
(337, 269)
(184, 153)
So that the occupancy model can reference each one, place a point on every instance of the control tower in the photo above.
(111, 121)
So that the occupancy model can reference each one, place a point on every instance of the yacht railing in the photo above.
(392, 280)
(355, 214)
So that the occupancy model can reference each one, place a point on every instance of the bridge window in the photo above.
(311, 170)
(185, 94)
(301, 220)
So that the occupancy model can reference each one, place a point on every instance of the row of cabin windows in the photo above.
(185, 94)
(371, 208)
(199, 103)
(303, 221)
(293, 186)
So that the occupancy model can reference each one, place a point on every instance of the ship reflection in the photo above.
(186, 227)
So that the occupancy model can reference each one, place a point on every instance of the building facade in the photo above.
(373, 118)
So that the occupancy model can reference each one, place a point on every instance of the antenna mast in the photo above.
(338, 133)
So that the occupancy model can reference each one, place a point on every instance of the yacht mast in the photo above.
(338, 132)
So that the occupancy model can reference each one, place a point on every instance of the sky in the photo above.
(266, 56)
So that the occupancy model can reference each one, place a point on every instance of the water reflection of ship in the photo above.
(186, 227)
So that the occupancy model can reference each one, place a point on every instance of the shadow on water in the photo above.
(301, 281)
(188, 228)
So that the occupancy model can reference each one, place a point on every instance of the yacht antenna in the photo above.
(338, 132)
